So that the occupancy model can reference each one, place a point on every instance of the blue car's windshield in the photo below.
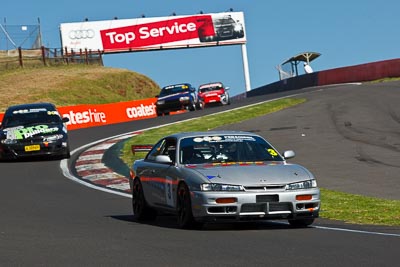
(170, 90)
(226, 148)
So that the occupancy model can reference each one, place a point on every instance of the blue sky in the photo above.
(344, 32)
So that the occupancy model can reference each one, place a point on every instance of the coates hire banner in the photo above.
(155, 33)
(83, 116)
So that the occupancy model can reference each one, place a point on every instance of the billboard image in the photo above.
(155, 33)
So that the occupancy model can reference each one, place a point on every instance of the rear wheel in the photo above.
(299, 223)
(141, 211)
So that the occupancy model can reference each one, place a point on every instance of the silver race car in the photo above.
(222, 176)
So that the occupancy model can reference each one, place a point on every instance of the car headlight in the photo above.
(238, 28)
(160, 102)
(9, 141)
(54, 137)
(302, 185)
(184, 98)
(221, 187)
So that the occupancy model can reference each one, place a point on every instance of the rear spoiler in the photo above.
(140, 148)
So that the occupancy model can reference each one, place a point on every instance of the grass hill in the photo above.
(73, 85)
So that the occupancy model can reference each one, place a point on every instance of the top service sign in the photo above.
(155, 33)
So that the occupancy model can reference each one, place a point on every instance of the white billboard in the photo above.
(138, 34)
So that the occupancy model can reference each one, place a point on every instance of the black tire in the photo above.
(184, 208)
(192, 106)
(200, 105)
(141, 211)
(300, 223)
(67, 153)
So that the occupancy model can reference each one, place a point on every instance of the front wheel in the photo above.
(192, 106)
(184, 208)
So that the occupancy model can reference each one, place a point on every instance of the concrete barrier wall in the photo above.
(358, 73)
(298, 82)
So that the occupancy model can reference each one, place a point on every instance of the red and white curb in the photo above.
(89, 167)
(92, 172)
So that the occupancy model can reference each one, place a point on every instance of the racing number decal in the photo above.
(168, 192)
(272, 152)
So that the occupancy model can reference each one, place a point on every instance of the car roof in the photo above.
(211, 84)
(177, 85)
(208, 133)
(48, 106)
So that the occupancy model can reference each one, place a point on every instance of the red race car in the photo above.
(213, 93)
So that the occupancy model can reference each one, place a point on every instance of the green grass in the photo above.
(335, 205)
(68, 85)
(359, 209)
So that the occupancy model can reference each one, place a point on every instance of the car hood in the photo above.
(212, 93)
(31, 131)
(173, 96)
(277, 174)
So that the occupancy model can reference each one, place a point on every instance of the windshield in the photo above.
(20, 119)
(226, 148)
(208, 89)
(224, 20)
(170, 90)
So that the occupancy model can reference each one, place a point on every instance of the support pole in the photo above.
(246, 68)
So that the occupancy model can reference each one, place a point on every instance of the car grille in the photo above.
(171, 105)
(266, 207)
(225, 32)
(264, 187)
(280, 207)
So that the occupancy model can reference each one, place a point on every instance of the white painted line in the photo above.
(355, 231)
(102, 146)
(123, 186)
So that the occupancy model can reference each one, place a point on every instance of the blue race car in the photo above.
(176, 97)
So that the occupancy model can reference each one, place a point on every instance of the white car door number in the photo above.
(169, 197)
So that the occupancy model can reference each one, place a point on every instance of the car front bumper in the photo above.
(19, 150)
(255, 205)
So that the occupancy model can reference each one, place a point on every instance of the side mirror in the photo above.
(288, 154)
(65, 119)
(163, 159)
(227, 88)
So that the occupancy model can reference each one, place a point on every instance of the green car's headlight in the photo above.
(221, 187)
(9, 141)
(302, 185)
(54, 137)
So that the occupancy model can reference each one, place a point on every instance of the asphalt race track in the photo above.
(348, 135)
